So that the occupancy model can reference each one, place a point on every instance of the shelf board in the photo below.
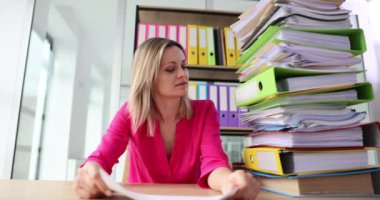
(167, 15)
(189, 10)
(236, 131)
(213, 73)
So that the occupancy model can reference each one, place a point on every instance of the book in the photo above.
(123, 190)
(283, 161)
(360, 183)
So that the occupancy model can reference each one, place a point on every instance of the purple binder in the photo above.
(223, 105)
(233, 120)
(213, 95)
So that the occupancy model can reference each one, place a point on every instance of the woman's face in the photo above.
(173, 77)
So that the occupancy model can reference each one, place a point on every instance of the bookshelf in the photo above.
(204, 17)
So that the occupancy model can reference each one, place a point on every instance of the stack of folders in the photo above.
(204, 45)
(319, 14)
(298, 81)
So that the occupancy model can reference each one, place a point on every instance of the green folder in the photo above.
(364, 91)
(356, 36)
(210, 45)
(264, 85)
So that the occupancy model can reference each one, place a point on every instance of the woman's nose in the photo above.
(181, 72)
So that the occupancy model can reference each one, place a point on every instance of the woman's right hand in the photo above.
(89, 184)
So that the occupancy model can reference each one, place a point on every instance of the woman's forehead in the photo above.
(172, 54)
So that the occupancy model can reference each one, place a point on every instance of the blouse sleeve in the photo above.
(212, 154)
(114, 142)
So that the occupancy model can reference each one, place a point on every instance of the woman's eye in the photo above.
(170, 69)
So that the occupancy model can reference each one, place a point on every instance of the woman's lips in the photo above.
(182, 84)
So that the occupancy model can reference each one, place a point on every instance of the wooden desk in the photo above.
(23, 189)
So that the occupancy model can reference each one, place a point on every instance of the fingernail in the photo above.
(108, 193)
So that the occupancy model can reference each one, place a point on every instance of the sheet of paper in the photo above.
(113, 185)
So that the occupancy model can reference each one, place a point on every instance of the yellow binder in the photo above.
(282, 161)
(238, 51)
(202, 45)
(192, 50)
(230, 47)
(192, 91)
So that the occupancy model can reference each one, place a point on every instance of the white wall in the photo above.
(368, 15)
(15, 23)
(373, 73)
(55, 141)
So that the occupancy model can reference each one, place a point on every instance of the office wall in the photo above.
(368, 15)
(373, 73)
(15, 23)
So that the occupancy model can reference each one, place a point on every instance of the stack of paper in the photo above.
(363, 135)
(279, 82)
(300, 61)
(314, 14)
(309, 117)
(289, 55)
(303, 117)
(318, 50)
(351, 137)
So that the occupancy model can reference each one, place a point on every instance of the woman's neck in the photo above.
(168, 109)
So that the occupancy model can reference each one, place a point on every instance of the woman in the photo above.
(172, 139)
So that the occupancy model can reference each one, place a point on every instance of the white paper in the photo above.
(114, 186)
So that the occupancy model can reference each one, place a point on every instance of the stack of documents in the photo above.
(312, 35)
(290, 55)
(277, 82)
(293, 13)
(300, 61)
(334, 50)
(362, 135)
(310, 117)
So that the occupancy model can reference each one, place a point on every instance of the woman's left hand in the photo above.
(248, 187)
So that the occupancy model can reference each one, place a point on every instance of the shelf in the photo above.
(235, 131)
(214, 18)
(213, 73)
(166, 15)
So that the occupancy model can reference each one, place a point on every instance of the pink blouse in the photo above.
(197, 149)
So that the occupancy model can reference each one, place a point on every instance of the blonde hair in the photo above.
(145, 68)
